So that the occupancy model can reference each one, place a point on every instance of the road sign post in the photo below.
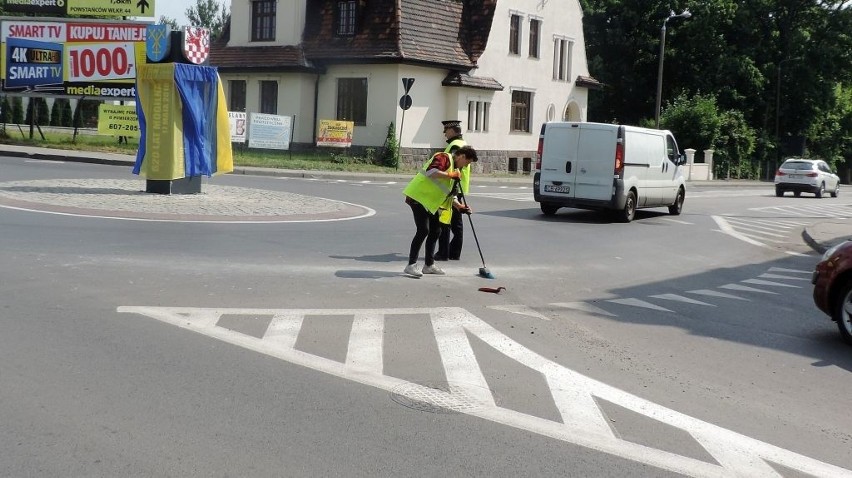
(404, 104)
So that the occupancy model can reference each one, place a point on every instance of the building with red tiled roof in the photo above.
(502, 68)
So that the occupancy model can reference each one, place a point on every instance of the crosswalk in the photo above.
(458, 337)
(772, 225)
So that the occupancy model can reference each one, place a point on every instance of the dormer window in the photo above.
(346, 17)
(263, 20)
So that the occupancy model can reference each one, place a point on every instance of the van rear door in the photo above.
(558, 162)
(595, 161)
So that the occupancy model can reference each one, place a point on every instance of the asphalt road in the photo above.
(671, 345)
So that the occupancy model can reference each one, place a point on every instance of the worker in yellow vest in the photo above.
(430, 191)
(450, 248)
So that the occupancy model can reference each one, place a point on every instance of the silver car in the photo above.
(806, 175)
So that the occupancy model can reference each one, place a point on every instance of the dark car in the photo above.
(832, 281)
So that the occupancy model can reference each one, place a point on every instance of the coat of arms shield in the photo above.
(157, 42)
(196, 44)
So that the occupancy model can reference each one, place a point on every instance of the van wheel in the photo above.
(677, 207)
(549, 209)
(629, 212)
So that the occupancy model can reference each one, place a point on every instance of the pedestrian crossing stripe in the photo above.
(582, 421)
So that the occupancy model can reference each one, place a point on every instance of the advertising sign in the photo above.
(336, 134)
(71, 58)
(269, 131)
(103, 8)
(118, 120)
(238, 126)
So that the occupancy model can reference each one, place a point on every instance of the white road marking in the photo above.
(770, 283)
(680, 298)
(727, 229)
(715, 293)
(365, 343)
(745, 288)
(638, 303)
(778, 276)
(797, 254)
(583, 307)
(519, 309)
(574, 394)
(792, 271)
(676, 221)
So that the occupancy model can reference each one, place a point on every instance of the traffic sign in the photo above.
(406, 83)
(405, 102)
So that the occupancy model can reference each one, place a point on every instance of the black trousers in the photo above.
(428, 229)
(450, 248)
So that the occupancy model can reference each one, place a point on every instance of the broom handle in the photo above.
(473, 229)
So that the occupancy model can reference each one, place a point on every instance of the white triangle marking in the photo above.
(715, 293)
(745, 288)
(639, 303)
(680, 298)
(519, 309)
(781, 269)
(776, 276)
(770, 283)
(583, 307)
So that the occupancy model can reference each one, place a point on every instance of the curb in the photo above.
(813, 243)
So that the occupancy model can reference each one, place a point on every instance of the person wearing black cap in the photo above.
(451, 248)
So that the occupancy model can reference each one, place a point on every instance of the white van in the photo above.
(608, 167)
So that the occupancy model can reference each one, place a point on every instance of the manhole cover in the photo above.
(439, 397)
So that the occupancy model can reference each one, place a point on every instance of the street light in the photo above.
(684, 14)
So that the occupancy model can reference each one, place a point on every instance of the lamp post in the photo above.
(684, 14)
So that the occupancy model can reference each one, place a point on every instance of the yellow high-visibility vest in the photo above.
(430, 191)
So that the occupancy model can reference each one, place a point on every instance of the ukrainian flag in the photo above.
(183, 121)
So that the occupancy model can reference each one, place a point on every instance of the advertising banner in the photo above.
(103, 8)
(71, 58)
(238, 126)
(118, 120)
(269, 131)
(336, 134)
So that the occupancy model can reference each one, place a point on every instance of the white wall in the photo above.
(289, 23)
(559, 19)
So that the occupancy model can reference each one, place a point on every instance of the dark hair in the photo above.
(468, 151)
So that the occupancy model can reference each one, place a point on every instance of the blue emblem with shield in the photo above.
(157, 42)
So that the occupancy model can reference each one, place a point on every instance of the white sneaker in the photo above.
(411, 269)
(433, 270)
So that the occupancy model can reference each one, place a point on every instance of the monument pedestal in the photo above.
(189, 185)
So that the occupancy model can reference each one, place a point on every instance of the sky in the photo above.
(176, 8)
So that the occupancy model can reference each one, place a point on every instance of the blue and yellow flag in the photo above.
(183, 121)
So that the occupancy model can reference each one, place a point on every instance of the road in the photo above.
(674, 345)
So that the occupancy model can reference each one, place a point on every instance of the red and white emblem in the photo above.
(196, 44)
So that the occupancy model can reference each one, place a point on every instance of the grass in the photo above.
(326, 160)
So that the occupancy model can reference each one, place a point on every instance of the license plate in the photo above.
(549, 188)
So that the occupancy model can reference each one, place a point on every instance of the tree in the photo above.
(209, 14)
(17, 110)
(66, 113)
(171, 22)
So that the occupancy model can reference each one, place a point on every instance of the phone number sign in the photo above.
(71, 59)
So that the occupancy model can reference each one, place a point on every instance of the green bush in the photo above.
(5, 110)
(54, 112)
(390, 151)
(695, 121)
(65, 118)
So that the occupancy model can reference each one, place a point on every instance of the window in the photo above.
(269, 97)
(477, 115)
(515, 35)
(346, 18)
(352, 100)
(237, 100)
(562, 58)
(521, 105)
(535, 29)
(263, 20)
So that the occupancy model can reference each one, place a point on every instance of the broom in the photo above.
(483, 271)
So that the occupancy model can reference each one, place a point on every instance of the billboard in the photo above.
(337, 134)
(269, 131)
(118, 120)
(92, 59)
(104, 8)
